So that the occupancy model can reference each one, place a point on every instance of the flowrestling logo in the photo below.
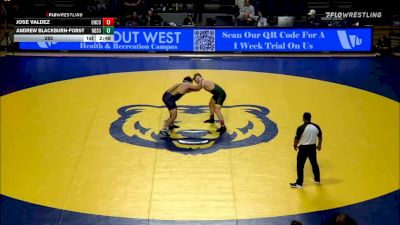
(354, 15)
(348, 41)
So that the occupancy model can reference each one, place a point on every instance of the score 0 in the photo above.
(108, 22)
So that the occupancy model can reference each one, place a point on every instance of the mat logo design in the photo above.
(46, 44)
(139, 125)
(348, 41)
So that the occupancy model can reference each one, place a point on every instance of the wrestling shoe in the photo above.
(173, 126)
(221, 130)
(164, 133)
(211, 120)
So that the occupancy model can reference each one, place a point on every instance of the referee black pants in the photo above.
(307, 151)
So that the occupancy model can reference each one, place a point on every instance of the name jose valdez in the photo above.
(36, 22)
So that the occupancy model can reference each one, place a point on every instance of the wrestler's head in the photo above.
(197, 77)
(188, 79)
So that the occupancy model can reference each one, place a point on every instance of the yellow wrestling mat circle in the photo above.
(57, 150)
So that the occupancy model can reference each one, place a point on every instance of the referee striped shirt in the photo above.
(308, 133)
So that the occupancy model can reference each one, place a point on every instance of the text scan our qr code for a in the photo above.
(204, 40)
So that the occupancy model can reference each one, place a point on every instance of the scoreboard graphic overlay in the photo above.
(65, 29)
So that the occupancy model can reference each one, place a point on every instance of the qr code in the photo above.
(204, 40)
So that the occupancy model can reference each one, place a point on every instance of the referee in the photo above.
(306, 142)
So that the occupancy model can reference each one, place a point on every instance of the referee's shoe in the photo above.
(296, 185)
